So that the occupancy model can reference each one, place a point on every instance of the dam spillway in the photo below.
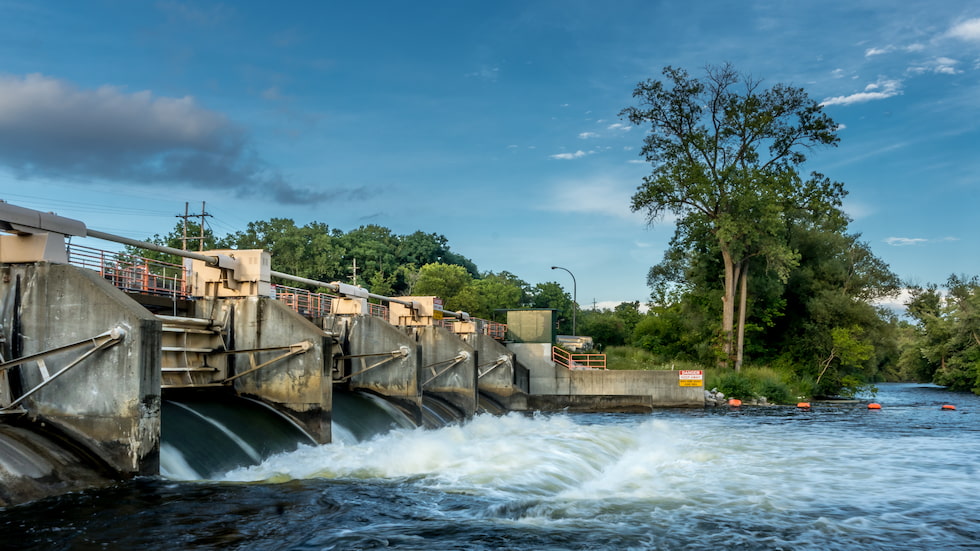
(120, 366)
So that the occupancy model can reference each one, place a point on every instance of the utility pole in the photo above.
(354, 271)
(186, 216)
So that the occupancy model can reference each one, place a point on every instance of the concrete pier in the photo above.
(108, 397)
(378, 358)
(448, 368)
(500, 377)
(277, 356)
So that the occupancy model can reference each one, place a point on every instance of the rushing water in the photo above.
(835, 477)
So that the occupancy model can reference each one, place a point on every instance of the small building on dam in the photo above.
(113, 366)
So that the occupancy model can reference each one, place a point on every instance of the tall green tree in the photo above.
(725, 154)
(946, 346)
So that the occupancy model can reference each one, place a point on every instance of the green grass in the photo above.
(632, 358)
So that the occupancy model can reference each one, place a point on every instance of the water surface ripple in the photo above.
(835, 477)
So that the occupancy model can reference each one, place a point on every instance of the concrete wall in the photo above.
(110, 402)
(653, 388)
(395, 377)
(457, 384)
(299, 386)
(542, 375)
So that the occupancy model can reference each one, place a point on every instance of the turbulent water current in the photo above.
(838, 476)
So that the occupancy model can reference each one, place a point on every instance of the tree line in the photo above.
(373, 257)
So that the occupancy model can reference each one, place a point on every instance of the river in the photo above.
(834, 477)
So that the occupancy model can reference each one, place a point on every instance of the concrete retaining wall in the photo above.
(607, 389)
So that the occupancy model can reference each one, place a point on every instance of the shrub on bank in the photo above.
(751, 383)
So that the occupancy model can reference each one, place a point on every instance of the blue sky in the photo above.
(492, 123)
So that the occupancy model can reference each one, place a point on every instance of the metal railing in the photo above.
(131, 273)
(571, 360)
(304, 301)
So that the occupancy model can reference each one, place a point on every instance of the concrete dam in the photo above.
(113, 367)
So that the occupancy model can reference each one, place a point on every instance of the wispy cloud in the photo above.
(939, 65)
(883, 89)
(967, 30)
(905, 241)
(620, 127)
(51, 128)
(568, 156)
(601, 195)
(486, 73)
(909, 241)
(191, 12)
(587, 135)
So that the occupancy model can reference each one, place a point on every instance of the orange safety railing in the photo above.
(313, 304)
(491, 329)
(304, 301)
(495, 330)
(378, 310)
(131, 273)
(577, 361)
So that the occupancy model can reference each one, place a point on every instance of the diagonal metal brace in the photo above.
(291, 350)
(503, 359)
(98, 342)
(402, 352)
(461, 357)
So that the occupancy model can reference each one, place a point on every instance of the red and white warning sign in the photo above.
(690, 377)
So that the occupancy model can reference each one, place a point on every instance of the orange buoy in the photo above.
(734, 402)
(949, 407)
(803, 405)
(874, 406)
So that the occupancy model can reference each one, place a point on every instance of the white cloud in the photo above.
(883, 89)
(967, 30)
(587, 135)
(620, 126)
(897, 303)
(877, 51)
(568, 156)
(905, 241)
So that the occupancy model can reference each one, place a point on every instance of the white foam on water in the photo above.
(667, 473)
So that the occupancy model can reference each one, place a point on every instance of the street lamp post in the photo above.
(574, 296)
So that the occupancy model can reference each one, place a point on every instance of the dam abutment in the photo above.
(95, 375)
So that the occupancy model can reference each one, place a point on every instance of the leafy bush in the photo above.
(736, 385)
(774, 390)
